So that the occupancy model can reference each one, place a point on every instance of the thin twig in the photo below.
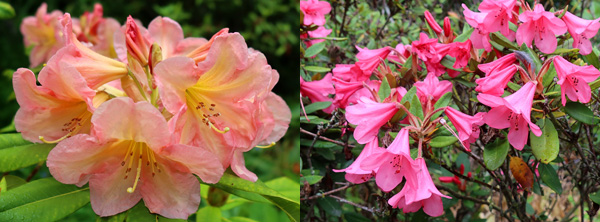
(325, 138)
(328, 192)
(372, 210)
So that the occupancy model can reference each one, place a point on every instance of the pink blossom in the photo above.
(353, 172)
(512, 111)
(108, 160)
(314, 11)
(497, 75)
(98, 31)
(432, 23)
(318, 33)
(419, 191)
(345, 90)
(431, 89)
(392, 165)
(499, 14)
(43, 32)
(425, 48)
(581, 30)
(461, 51)
(369, 116)
(481, 33)
(574, 79)
(400, 54)
(466, 125)
(542, 26)
(349, 72)
(369, 59)
(318, 90)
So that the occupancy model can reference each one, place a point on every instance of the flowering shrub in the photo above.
(388, 125)
(138, 114)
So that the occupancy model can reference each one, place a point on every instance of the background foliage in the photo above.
(269, 26)
(327, 196)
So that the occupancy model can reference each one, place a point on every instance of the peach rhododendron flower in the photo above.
(98, 31)
(466, 125)
(574, 79)
(393, 164)
(512, 112)
(44, 33)
(542, 26)
(419, 191)
(314, 11)
(581, 30)
(354, 173)
(128, 157)
(216, 102)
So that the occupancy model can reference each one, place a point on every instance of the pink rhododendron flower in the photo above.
(499, 14)
(431, 89)
(481, 33)
(400, 54)
(369, 59)
(345, 90)
(419, 191)
(392, 165)
(369, 116)
(461, 184)
(216, 102)
(425, 48)
(466, 125)
(317, 33)
(44, 33)
(497, 75)
(314, 11)
(512, 112)
(129, 157)
(461, 51)
(319, 90)
(574, 79)
(581, 30)
(353, 172)
(350, 73)
(432, 23)
(98, 31)
(542, 26)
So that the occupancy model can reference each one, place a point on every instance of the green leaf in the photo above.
(581, 112)
(442, 141)
(442, 102)
(550, 177)
(549, 76)
(42, 200)
(595, 84)
(595, 197)
(500, 39)
(22, 156)
(208, 213)
(10, 140)
(384, 89)
(311, 179)
(448, 62)
(317, 69)
(592, 59)
(464, 36)
(231, 184)
(240, 219)
(330, 206)
(314, 49)
(313, 120)
(545, 148)
(415, 107)
(286, 187)
(6, 11)
(494, 153)
(317, 106)
(534, 56)
(10, 181)
(139, 213)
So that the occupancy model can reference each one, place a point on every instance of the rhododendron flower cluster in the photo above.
(136, 112)
(400, 101)
(313, 12)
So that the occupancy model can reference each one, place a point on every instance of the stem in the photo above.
(137, 84)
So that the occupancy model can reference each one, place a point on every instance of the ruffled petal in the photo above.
(167, 33)
(198, 161)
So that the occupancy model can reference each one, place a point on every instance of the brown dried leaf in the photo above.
(521, 172)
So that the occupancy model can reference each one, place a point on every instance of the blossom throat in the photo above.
(204, 111)
(139, 149)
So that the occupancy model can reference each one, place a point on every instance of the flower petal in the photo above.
(167, 33)
(198, 160)
(239, 167)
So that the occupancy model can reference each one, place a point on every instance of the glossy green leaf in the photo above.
(550, 177)
(42, 200)
(448, 62)
(549, 76)
(208, 213)
(10, 181)
(314, 49)
(10, 140)
(464, 36)
(595, 197)
(500, 39)
(6, 11)
(231, 184)
(311, 179)
(240, 219)
(22, 156)
(442, 102)
(592, 59)
(317, 69)
(442, 141)
(495, 153)
(384, 89)
(313, 120)
(140, 213)
(545, 148)
(536, 60)
(330, 206)
(317, 106)
(581, 112)
(286, 186)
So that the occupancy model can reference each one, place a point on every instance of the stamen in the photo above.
(226, 129)
(137, 176)
(267, 146)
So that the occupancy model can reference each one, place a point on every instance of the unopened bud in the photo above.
(155, 56)
(432, 23)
